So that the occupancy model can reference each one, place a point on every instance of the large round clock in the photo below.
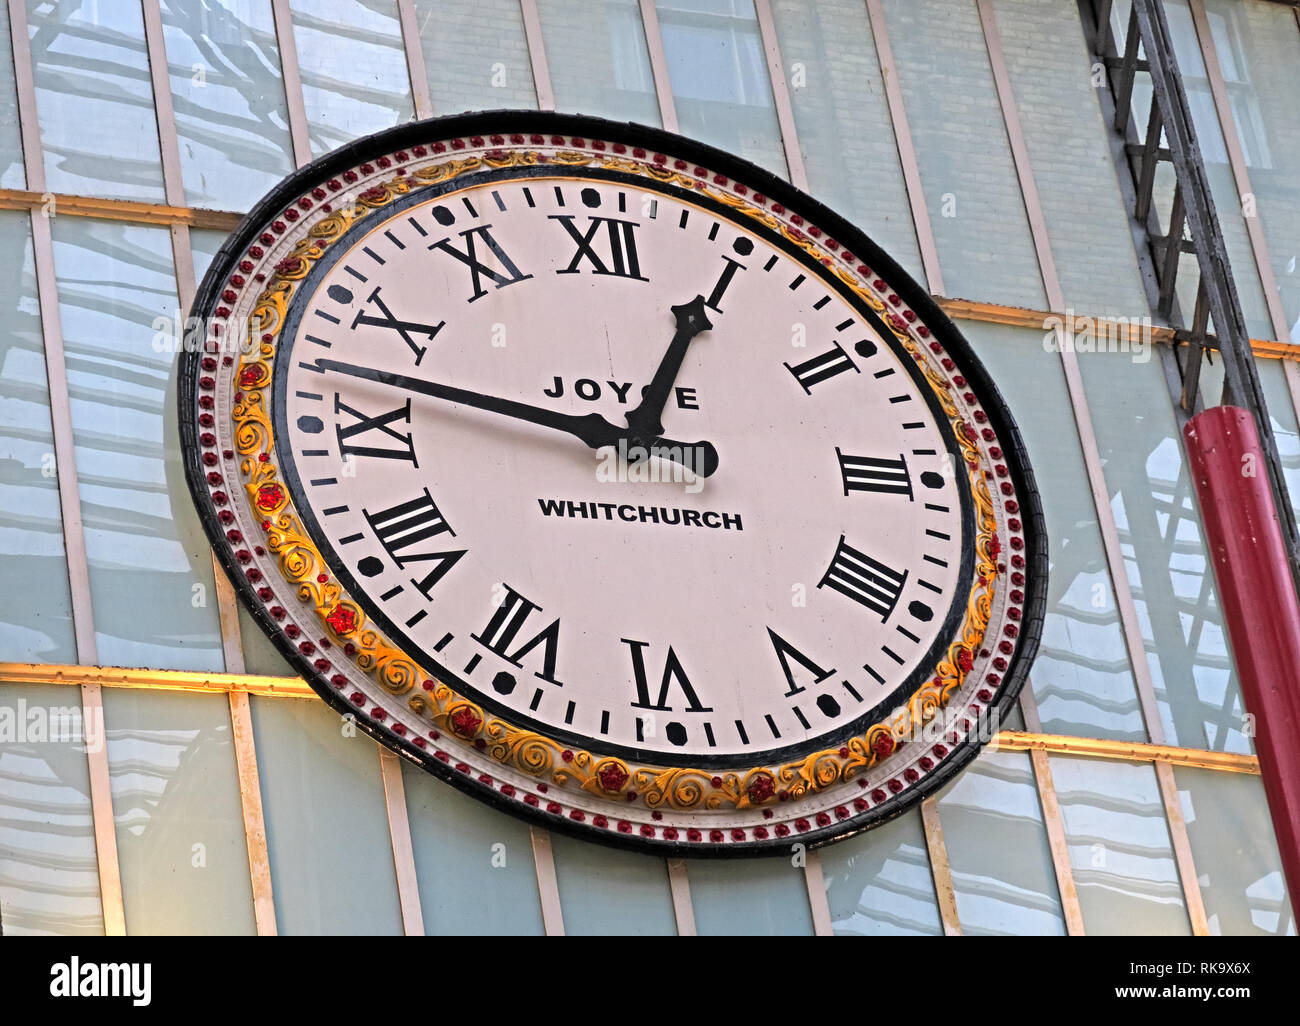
(614, 481)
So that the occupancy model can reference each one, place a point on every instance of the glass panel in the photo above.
(353, 65)
(1087, 223)
(845, 132)
(476, 55)
(35, 604)
(756, 897)
(719, 76)
(180, 826)
(1164, 555)
(95, 100)
(1235, 853)
(998, 851)
(1082, 678)
(1209, 135)
(597, 57)
(228, 96)
(879, 882)
(260, 654)
(204, 246)
(605, 891)
(49, 879)
(474, 864)
(12, 175)
(150, 564)
(1120, 853)
(327, 834)
(1259, 51)
(1281, 413)
(970, 183)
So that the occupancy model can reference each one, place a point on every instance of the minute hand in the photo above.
(645, 420)
(592, 429)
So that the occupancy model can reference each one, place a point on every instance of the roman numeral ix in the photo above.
(366, 424)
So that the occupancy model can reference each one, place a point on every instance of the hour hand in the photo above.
(645, 421)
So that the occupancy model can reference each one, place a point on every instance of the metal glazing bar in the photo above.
(818, 903)
(399, 830)
(548, 885)
(537, 55)
(940, 870)
(422, 102)
(680, 887)
(781, 94)
(654, 41)
(292, 79)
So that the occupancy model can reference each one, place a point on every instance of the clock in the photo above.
(614, 481)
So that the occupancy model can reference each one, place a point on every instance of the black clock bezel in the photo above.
(510, 121)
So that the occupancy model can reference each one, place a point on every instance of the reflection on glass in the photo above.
(604, 892)
(1209, 136)
(474, 864)
(1235, 852)
(845, 132)
(596, 53)
(879, 882)
(769, 898)
(229, 100)
(1154, 505)
(998, 850)
(12, 175)
(180, 826)
(1281, 412)
(35, 605)
(967, 173)
(150, 565)
(1259, 52)
(354, 75)
(1120, 853)
(93, 93)
(49, 877)
(1051, 76)
(476, 55)
(1082, 677)
(719, 76)
(331, 854)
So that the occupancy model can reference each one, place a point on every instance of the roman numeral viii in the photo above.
(863, 579)
(400, 530)
(868, 474)
(369, 445)
(620, 256)
(504, 627)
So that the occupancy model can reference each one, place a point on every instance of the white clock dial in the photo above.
(651, 608)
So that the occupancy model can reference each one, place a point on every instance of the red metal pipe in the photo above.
(1259, 603)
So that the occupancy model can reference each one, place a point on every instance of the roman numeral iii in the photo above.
(868, 474)
(865, 580)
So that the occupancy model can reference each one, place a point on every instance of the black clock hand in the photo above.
(592, 429)
(645, 419)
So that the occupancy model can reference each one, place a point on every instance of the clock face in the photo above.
(593, 470)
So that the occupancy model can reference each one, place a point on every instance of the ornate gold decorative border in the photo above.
(302, 564)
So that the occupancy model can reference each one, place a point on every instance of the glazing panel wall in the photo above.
(1281, 412)
(1259, 50)
(95, 100)
(1172, 581)
(1082, 678)
(596, 53)
(150, 564)
(769, 898)
(354, 75)
(845, 132)
(1235, 852)
(327, 833)
(971, 189)
(605, 891)
(12, 175)
(35, 605)
(49, 878)
(231, 121)
(1120, 852)
(998, 851)
(476, 55)
(719, 77)
(879, 883)
(474, 864)
(1050, 68)
(180, 827)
